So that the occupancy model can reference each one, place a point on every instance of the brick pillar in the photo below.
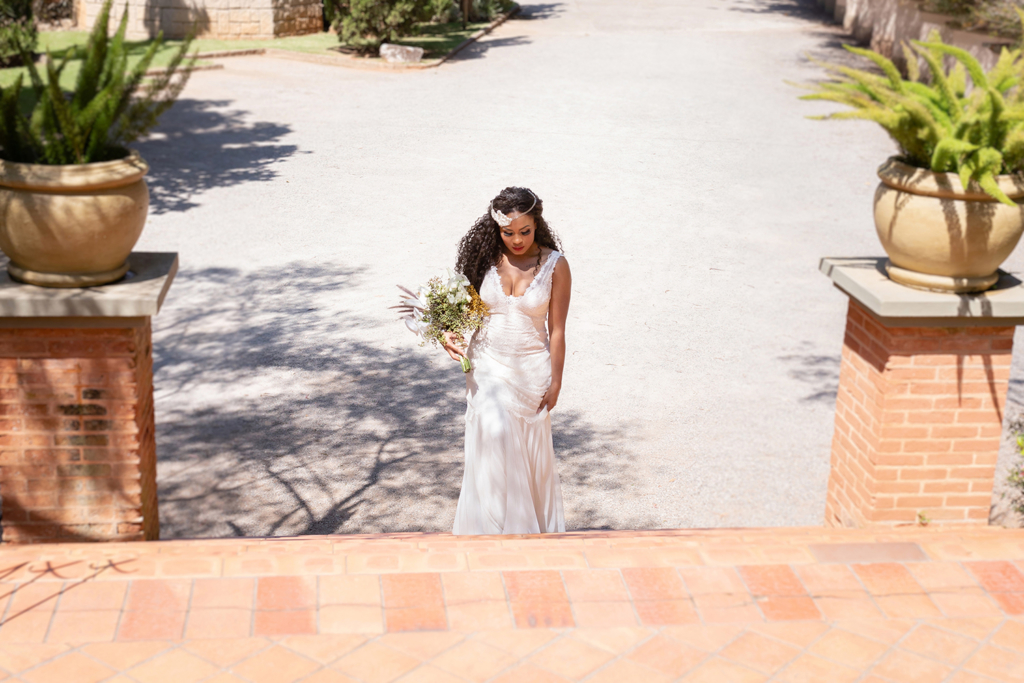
(918, 422)
(77, 442)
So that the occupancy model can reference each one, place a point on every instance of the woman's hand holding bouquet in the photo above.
(443, 311)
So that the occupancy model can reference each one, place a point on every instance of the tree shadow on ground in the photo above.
(819, 372)
(801, 9)
(538, 11)
(203, 144)
(480, 48)
(279, 415)
(831, 36)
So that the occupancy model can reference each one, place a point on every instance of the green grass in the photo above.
(58, 43)
(435, 39)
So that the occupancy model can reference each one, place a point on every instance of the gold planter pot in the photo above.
(75, 225)
(940, 236)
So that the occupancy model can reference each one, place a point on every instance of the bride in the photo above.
(512, 258)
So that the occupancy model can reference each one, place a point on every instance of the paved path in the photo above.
(694, 200)
(787, 605)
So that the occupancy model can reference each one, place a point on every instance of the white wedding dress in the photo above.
(510, 485)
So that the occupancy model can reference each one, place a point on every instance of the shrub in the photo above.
(443, 11)
(940, 125)
(17, 32)
(489, 10)
(333, 13)
(52, 11)
(365, 24)
(109, 107)
(996, 17)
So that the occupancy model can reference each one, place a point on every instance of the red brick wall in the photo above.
(918, 422)
(77, 443)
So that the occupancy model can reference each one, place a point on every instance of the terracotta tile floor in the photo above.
(797, 605)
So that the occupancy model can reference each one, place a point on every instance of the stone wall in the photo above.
(885, 24)
(228, 19)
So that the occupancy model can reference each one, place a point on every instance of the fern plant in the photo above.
(941, 124)
(110, 106)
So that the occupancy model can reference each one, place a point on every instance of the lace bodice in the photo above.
(517, 324)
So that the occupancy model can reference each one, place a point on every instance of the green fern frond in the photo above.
(995, 130)
(1013, 150)
(939, 81)
(887, 119)
(958, 79)
(851, 99)
(987, 181)
(910, 57)
(95, 56)
(886, 65)
(948, 153)
(923, 118)
(964, 57)
(1003, 73)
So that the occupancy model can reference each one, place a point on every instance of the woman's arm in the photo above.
(561, 289)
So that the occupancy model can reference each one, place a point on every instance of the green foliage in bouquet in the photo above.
(111, 105)
(18, 33)
(365, 24)
(940, 125)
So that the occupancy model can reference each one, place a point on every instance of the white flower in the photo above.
(456, 280)
(417, 327)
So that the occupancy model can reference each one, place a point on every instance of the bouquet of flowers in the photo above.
(444, 304)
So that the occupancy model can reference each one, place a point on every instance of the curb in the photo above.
(346, 61)
(204, 67)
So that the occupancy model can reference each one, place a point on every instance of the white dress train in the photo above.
(510, 485)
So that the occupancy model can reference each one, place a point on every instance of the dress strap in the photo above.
(549, 266)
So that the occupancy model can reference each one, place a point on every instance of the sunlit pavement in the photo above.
(798, 604)
(694, 200)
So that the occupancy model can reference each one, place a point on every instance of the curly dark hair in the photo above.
(482, 247)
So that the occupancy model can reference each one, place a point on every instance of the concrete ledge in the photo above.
(864, 279)
(139, 295)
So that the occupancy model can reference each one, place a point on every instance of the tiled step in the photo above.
(717, 605)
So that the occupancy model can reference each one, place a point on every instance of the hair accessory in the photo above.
(503, 220)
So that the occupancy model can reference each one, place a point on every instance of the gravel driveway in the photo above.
(694, 200)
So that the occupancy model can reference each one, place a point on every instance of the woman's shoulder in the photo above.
(547, 253)
(561, 266)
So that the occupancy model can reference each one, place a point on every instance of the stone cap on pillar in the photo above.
(896, 305)
(138, 295)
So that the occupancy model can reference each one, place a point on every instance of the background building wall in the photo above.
(212, 18)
